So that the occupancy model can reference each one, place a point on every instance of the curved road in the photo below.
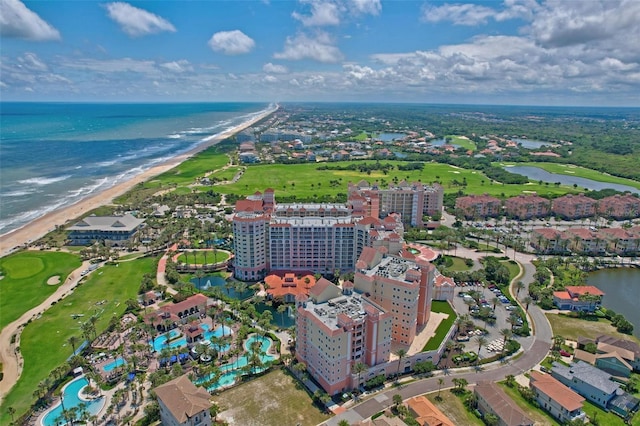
(535, 350)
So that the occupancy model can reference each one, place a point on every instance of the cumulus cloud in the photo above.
(319, 49)
(231, 42)
(370, 7)
(17, 21)
(470, 14)
(323, 13)
(177, 66)
(137, 22)
(274, 69)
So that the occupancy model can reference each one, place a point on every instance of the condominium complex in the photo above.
(323, 238)
(574, 206)
(527, 206)
(411, 200)
(478, 206)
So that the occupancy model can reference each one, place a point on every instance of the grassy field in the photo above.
(273, 399)
(444, 327)
(514, 268)
(606, 418)
(572, 170)
(463, 142)
(572, 328)
(24, 285)
(454, 409)
(536, 414)
(220, 256)
(305, 181)
(459, 264)
(44, 341)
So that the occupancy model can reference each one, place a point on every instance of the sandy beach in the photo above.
(44, 224)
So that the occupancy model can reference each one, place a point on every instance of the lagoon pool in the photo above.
(160, 342)
(71, 398)
(118, 362)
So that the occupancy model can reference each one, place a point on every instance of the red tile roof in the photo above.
(583, 289)
(558, 392)
(288, 283)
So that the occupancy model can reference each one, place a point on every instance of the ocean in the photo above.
(55, 154)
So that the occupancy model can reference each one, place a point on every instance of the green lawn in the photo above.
(572, 328)
(44, 341)
(274, 399)
(463, 142)
(186, 173)
(454, 409)
(24, 285)
(606, 418)
(514, 268)
(443, 327)
(305, 181)
(219, 256)
(534, 413)
(572, 170)
(459, 264)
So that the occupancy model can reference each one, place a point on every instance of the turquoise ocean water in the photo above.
(55, 154)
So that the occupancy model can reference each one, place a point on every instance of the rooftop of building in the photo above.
(353, 306)
(558, 392)
(427, 413)
(501, 404)
(107, 223)
(588, 374)
(183, 399)
(396, 268)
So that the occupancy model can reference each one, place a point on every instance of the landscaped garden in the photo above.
(443, 327)
(29, 277)
(203, 257)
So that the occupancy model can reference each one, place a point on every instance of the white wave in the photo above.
(19, 193)
(78, 167)
(106, 163)
(174, 136)
(43, 181)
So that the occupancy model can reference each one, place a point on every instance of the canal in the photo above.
(622, 292)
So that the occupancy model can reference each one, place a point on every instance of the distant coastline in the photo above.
(46, 223)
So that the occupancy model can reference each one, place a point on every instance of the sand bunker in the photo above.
(54, 280)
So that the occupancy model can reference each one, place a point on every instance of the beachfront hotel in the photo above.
(303, 237)
(110, 230)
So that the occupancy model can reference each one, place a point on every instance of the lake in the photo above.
(537, 174)
(388, 137)
(531, 144)
(441, 142)
(622, 292)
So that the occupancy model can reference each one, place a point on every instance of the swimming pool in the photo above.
(71, 398)
(118, 362)
(160, 341)
(231, 371)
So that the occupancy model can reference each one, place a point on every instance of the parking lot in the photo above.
(502, 312)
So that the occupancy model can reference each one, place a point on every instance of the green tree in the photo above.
(400, 353)
(397, 400)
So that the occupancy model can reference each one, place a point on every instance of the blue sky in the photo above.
(560, 52)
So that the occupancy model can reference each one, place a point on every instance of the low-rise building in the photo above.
(548, 240)
(574, 206)
(183, 404)
(620, 207)
(585, 241)
(527, 206)
(492, 399)
(108, 230)
(578, 298)
(592, 383)
(427, 414)
(478, 206)
(560, 401)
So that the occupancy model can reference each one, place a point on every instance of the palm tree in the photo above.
(440, 383)
(506, 334)
(281, 310)
(73, 341)
(519, 286)
(481, 341)
(527, 301)
(397, 400)
(11, 411)
(400, 353)
(495, 301)
(359, 368)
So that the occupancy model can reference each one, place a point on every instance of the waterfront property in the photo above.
(478, 206)
(616, 356)
(574, 206)
(578, 298)
(111, 230)
(560, 401)
(526, 207)
(493, 400)
(587, 241)
(592, 383)
(183, 403)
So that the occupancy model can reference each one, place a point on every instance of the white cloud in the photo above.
(274, 68)
(371, 7)
(231, 42)
(319, 49)
(270, 79)
(137, 22)
(459, 14)
(32, 62)
(16, 20)
(177, 66)
(323, 13)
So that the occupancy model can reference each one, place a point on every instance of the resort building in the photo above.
(620, 207)
(620, 241)
(492, 399)
(337, 329)
(478, 206)
(403, 287)
(585, 241)
(108, 230)
(548, 240)
(323, 238)
(288, 286)
(170, 316)
(574, 206)
(183, 404)
(411, 201)
(527, 207)
(427, 414)
(443, 287)
(557, 399)
(578, 298)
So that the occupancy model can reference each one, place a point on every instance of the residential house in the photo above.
(619, 241)
(492, 399)
(183, 404)
(592, 383)
(627, 349)
(585, 241)
(610, 362)
(578, 298)
(560, 401)
(427, 414)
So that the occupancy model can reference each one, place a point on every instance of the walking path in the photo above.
(532, 355)
(10, 357)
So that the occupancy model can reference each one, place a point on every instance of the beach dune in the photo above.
(38, 228)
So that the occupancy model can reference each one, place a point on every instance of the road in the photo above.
(536, 350)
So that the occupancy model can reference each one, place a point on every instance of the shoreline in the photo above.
(44, 224)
